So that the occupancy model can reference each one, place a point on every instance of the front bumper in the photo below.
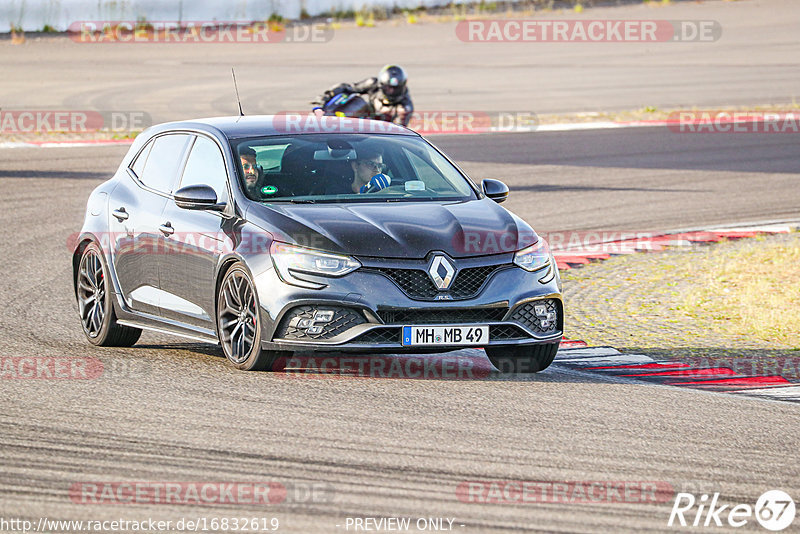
(365, 311)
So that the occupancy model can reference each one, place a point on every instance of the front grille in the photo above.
(380, 336)
(414, 282)
(343, 319)
(502, 332)
(418, 285)
(526, 315)
(443, 316)
(469, 281)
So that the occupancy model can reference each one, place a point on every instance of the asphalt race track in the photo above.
(753, 63)
(166, 410)
(172, 411)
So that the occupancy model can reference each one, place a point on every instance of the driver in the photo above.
(368, 175)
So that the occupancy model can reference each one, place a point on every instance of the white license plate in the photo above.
(445, 335)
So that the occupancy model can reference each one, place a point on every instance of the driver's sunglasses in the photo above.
(248, 166)
(380, 167)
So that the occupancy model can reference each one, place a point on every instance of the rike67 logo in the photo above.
(774, 510)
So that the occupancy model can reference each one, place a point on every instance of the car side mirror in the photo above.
(495, 189)
(198, 197)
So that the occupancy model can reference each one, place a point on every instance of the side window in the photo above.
(141, 159)
(206, 166)
(161, 167)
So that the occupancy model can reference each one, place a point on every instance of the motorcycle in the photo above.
(347, 105)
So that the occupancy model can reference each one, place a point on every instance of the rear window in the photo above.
(161, 168)
(141, 159)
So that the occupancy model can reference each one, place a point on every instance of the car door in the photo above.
(191, 253)
(135, 207)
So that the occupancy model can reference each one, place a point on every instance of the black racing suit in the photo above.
(381, 109)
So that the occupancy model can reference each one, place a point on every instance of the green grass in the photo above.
(754, 291)
(731, 295)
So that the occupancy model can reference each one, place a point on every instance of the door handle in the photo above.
(167, 228)
(120, 214)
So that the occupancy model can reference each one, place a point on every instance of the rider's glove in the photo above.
(376, 183)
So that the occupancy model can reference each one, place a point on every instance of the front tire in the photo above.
(522, 359)
(95, 305)
(239, 322)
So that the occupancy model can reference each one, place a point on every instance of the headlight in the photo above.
(290, 260)
(534, 257)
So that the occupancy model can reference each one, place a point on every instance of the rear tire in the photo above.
(239, 322)
(522, 359)
(95, 304)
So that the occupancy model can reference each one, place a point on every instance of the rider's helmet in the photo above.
(392, 81)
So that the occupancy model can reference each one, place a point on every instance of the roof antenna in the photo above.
(238, 101)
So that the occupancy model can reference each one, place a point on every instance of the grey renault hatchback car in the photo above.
(273, 234)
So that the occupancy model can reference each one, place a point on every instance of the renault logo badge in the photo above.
(441, 272)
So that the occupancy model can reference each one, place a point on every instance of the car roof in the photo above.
(284, 124)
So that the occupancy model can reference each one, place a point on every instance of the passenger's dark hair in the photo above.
(247, 152)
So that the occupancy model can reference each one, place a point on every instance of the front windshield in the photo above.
(347, 168)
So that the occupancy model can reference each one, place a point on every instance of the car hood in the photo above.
(397, 229)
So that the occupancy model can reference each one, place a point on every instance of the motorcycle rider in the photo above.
(387, 95)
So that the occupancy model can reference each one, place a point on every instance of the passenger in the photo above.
(253, 176)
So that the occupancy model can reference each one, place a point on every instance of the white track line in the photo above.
(616, 359)
(581, 358)
(64, 144)
(777, 392)
(775, 228)
(559, 127)
(586, 352)
(604, 125)
(791, 224)
(10, 144)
